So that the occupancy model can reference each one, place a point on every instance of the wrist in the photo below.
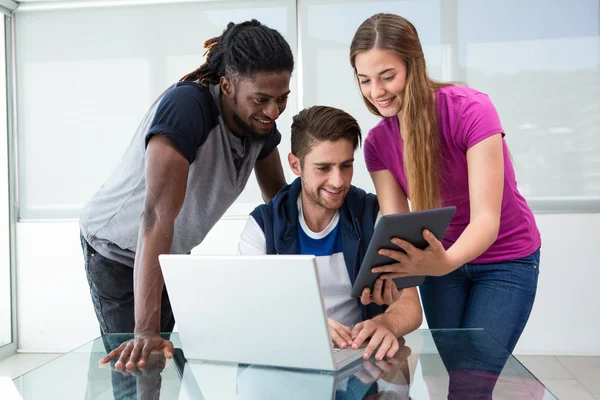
(453, 260)
(387, 320)
(145, 332)
(146, 327)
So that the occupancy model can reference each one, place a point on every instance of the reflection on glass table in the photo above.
(431, 364)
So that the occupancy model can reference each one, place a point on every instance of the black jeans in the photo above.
(111, 287)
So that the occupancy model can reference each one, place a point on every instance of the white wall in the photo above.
(55, 311)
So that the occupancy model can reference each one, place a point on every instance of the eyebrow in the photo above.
(381, 73)
(330, 164)
(269, 96)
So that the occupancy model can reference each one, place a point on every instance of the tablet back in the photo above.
(406, 226)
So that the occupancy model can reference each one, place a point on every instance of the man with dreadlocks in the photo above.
(187, 163)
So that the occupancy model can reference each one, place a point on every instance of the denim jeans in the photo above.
(497, 297)
(111, 287)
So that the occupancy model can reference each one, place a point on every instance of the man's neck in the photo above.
(316, 217)
(228, 117)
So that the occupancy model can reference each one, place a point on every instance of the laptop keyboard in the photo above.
(341, 355)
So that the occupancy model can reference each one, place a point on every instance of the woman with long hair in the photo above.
(440, 144)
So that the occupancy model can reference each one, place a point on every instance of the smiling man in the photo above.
(322, 214)
(187, 163)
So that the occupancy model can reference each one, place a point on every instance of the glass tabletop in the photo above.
(431, 364)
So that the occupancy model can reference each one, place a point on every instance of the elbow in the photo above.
(489, 226)
(148, 217)
(152, 219)
(418, 320)
(494, 229)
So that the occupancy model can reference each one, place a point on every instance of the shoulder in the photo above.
(386, 126)
(382, 131)
(189, 98)
(456, 99)
(263, 214)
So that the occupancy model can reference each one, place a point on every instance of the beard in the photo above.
(249, 133)
(315, 197)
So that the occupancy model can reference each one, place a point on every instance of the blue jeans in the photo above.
(497, 297)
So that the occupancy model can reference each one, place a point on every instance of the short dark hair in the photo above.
(320, 124)
(242, 50)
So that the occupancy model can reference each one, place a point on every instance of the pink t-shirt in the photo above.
(465, 118)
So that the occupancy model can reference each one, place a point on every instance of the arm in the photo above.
(252, 239)
(269, 174)
(166, 182)
(485, 162)
(404, 315)
(390, 195)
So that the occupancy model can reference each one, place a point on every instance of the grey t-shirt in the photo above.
(220, 163)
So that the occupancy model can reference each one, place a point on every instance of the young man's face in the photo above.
(257, 101)
(326, 172)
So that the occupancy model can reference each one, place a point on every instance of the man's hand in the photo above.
(341, 335)
(381, 337)
(148, 381)
(384, 292)
(393, 370)
(135, 352)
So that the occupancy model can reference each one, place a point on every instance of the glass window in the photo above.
(538, 61)
(81, 96)
(5, 261)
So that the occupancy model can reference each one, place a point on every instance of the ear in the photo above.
(295, 164)
(227, 87)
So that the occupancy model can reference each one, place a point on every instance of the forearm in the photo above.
(479, 235)
(154, 239)
(269, 190)
(404, 315)
(272, 192)
(270, 176)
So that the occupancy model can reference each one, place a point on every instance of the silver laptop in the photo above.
(264, 310)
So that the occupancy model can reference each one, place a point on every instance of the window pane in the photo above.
(5, 286)
(81, 96)
(539, 62)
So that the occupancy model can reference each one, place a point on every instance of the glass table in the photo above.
(431, 364)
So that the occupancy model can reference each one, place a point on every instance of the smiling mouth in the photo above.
(264, 121)
(385, 102)
(331, 191)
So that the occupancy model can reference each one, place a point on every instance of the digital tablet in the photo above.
(406, 226)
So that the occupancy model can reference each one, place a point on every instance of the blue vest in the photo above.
(279, 221)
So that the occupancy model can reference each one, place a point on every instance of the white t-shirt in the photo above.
(331, 267)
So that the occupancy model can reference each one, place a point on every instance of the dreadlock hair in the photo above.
(242, 50)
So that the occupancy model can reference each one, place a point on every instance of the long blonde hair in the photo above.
(397, 35)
